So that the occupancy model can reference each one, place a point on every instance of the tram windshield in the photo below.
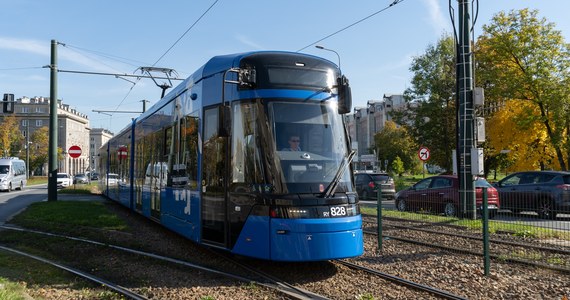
(288, 147)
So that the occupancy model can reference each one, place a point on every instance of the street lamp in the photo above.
(331, 50)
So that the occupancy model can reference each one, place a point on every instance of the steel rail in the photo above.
(285, 288)
(402, 281)
(117, 288)
(469, 252)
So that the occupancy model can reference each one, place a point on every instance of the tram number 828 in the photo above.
(338, 211)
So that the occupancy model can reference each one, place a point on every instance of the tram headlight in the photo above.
(289, 212)
(297, 213)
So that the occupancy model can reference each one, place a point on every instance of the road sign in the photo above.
(423, 154)
(74, 151)
(122, 152)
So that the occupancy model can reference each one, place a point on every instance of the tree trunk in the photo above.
(552, 138)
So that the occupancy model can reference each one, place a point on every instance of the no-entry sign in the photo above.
(74, 151)
(122, 152)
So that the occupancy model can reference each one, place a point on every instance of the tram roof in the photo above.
(215, 65)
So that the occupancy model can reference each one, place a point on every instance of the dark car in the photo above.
(367, 185)
(95, 176)
(544, 192)
(80, 178)
(440, 194)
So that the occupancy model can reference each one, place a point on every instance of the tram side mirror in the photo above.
(247, 78)
(344, 95)
(224, 121)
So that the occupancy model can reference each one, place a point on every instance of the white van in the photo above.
(12, 174)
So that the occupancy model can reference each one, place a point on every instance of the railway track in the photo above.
(260, 277)
(263, 279)
(105, 283)
(539, 256)
(401, 281)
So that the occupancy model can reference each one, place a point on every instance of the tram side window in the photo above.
(189, 151)
(213, 165)
(246, 157)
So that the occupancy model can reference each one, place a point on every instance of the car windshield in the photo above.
(113, 176)
(61, 175)
(4, 169)
(380, 177)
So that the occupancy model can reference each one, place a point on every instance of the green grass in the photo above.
(37, 180)
(20, 275)
(81, 188)
(55, 215)
(475, 225)
(11, 290)
(62, 217)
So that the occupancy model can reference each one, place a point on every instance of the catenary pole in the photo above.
(52, 151)
(466, 113)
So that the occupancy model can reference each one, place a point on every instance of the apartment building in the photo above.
(366, 121)
(73, 129)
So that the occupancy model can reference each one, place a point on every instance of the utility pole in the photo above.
(465, 116)
(52, 151)
(144, 102)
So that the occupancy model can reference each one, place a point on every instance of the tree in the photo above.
(394, 142)
(521, 57)
(10, 136)
(517, 128)
(39, 148)
(398, 166)
(430, 117)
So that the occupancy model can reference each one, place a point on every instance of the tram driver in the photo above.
(294, 143)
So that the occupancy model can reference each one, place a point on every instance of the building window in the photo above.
(24, 122)
(39, 123)
(39, 109)
(25, 109)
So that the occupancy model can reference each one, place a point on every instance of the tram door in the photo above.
(214, 176)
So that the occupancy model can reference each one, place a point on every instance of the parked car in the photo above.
(544, 192)
(94, 176)
(112, 179)
(367, 184)
(64, 180)
(440, 194)
(80, 178)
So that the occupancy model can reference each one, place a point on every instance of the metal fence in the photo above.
(525, 229)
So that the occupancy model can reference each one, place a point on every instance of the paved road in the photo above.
(15, 201)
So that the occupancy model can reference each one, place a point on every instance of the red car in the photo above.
(441, 194)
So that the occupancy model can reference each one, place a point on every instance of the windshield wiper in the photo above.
(329, 191)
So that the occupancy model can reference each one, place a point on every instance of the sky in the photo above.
(118, 37)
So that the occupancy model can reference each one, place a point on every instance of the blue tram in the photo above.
(211, 160)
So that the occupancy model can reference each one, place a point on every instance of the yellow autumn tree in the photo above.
(517, 130)
(10, 136)
(523, 60)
